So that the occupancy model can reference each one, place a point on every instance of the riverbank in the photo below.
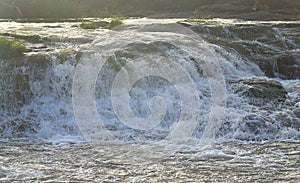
(242, 9)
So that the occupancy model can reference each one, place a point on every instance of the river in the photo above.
(152, 100)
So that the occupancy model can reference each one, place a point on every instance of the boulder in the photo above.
(292, 122)
(261, 91)
(288, 67)
(297, 110)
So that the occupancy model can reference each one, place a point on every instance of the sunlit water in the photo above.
(221, 162)
(51, 148)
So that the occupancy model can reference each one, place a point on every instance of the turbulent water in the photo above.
(152, 100)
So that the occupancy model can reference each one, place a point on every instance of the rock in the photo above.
(288, 67)
(266, 91)
(3, 173)
(53, 26)
(297, 110)
(102, 24)
(19, 128)
(292, 122)
(274, 48)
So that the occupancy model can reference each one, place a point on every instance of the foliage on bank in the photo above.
(100, 8)
(58, 9)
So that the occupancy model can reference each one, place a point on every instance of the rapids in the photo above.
(157, 100)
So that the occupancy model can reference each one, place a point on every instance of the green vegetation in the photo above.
(262, 7)
(40, 9)
(115, 22)
(270, 5)
(54, 10)
(88, 25)
(107, 8)
(10, 48)
(52, 38)
(101, 13)
(66, 54)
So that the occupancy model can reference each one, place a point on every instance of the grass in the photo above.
(88, 25)
(115, 22)
(11, 48)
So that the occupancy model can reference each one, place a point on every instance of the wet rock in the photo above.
(53, 26)
(14, 85)
(102, 24)
(19, 128)
(3, 173)
(297, 110)
(266, 91)
(75, 25)
(274, 48)
(288, 66)
(292, 122)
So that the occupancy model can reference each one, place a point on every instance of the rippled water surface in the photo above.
(221, 162)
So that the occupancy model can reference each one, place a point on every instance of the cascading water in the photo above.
(36, 91)
(154, 94)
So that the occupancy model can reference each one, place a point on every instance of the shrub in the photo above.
(115, 22)
(9, 48)
(88, 25)
(67, 54)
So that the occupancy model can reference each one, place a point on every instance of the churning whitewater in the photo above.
(36, 92)
(150, 95)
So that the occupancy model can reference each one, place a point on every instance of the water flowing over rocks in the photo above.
(261, 91)
(274, 47)
(260, 61)
(19, 128)
(258, 140)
